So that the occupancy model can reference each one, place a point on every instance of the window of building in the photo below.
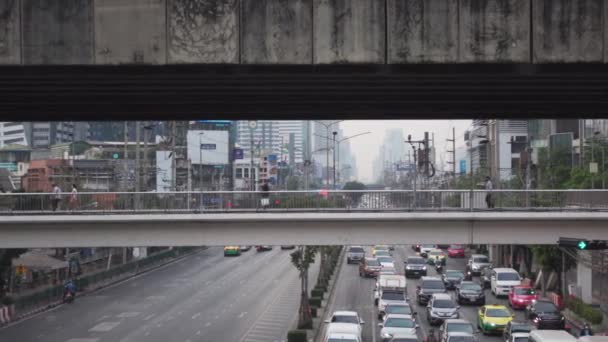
(12, 141)
(12, 124)
(246, 173)
(239, 173)
(19, 131)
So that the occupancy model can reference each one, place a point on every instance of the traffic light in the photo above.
(582, 244)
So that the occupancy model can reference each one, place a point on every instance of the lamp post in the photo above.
(327, 126)
(200, 170)
(334, 155)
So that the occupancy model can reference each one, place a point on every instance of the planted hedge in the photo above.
(315, 302)
(317, 293)
(584, 310)
(296, 336)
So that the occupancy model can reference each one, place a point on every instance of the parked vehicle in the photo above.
(288, 246)
(355, 254)
(502, 280)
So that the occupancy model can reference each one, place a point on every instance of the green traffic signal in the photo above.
(582, 245)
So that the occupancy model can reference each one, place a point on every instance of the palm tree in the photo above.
(302, 258)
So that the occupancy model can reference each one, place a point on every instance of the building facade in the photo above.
(12, 133)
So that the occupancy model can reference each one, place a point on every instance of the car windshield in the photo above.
(455, 247)
(416, 261)
(393, 296)
(525, 291)
(521, 328)
(383, 253)
(481, 260)
(460, 327)
(508, 276)
(461, 339)
(373, 262)
(398, 309)
(470, 287)
(545, 307)
(344, 319)
(428, 246)
(433, 284)
(405, 339)
(356, 250)
(388, 271)
(435, 253)
(454, 274)
(521, 339)
(342, 340)
(385, 259)
(497, 313)
(443, 304)
(399, 323)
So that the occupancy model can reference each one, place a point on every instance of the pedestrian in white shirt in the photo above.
(56, 197)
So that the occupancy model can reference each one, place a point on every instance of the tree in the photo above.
(302, 258)
(550, 260)
(293, 183)
(6, 258)
(354, 185)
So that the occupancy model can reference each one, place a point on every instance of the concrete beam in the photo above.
(568, 31)
(298, 228)
(203, 31)
(349, 31)
(57, 32)
(421, 31)
(131, 31)
(276, 31)
(10, 32)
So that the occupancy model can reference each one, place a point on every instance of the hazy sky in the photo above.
(366, 147)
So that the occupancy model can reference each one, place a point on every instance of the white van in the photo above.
(551, 336)
(502, 280)
(391, 282)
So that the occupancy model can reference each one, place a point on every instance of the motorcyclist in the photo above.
(69, 288)
(586, 330)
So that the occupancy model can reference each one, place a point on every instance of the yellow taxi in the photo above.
(436, 256)
(232, 250)
(493, 318)
(380, 248)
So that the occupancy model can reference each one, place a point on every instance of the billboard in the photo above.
(211, 146)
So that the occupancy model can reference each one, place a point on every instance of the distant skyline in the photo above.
(366, 148)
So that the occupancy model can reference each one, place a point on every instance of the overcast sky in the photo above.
(366, 147)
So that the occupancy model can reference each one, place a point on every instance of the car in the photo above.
(545, 315)
(471, 293)
(453, 326)
(398, 308)
(388, 270)
(522, 296)
(404, 338)
(502, 279)
(551, 336)
(456, 251)
(429, 286)
(382, 252)
(245, 248)
(477, 262)
(460, 337)
(388, 298)
(452, 278)
(443, 246)
(415, 267)
(288, 246)
(345, 322)
(515, 327)
(232, 251)
(425, 249)
(355, 254)
(341, 337)
(263, 248)
(370, 267)
(416, 247)
(397, 324)
(519, 337)
(436, 256)
(386, 261)
(441, 307)
(493, 318)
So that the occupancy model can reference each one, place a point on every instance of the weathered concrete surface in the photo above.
(57, 32)
(494, 31)
(203, 31)
(277, 31)
(422, 31)
(131, 31)
(349, 31)
(10, 32)
(605, 31)
(567, 30)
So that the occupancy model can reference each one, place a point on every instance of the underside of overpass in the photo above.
(299, 229)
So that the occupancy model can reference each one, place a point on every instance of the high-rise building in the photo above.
(45, 134)
(12, 133)
(273, 135)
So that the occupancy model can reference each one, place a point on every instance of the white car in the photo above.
(461, 337)
(386, 261)
(519, 337)
(502, 280)
(347, 322)
(425, 249)
(397, 324)
(342, 337)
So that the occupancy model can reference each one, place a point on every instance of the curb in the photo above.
(57, 303)
(333, 282)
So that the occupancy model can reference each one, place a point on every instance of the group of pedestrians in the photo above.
(56, 197)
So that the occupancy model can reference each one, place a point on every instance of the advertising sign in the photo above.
(238, 153)
(463, 167)
(211, 146)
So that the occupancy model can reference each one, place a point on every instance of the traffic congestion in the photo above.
(429, 293)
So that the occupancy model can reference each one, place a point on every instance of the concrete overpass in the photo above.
(57, 231)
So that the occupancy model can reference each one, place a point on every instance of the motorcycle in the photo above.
(68, 298)
(438, 267)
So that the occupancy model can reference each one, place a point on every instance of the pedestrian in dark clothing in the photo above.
(489, 188)
(265, 195)
(56, 197)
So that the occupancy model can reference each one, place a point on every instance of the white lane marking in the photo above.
(196, 315)
(147, 333)
(104, 326)
(83, 340)
(128, 314)
(242, 314)
(208, 324)
(97, 320)
(198, 333)
(148, 317)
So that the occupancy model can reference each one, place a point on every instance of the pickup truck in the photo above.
(355, 253)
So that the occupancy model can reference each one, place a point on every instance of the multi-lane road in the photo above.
(356, 294)
(204, 297)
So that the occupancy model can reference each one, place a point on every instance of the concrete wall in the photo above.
(10, 32)
(302, 31)
(277, 31)
(130, 31)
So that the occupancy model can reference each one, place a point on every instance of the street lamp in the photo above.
(327, 126)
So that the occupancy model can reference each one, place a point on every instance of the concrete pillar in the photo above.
(57, 32)
(567, 30)
(203, 31)
(422, 31)
(584, 279)
(276, 31)
(131, 31)
(349, 31)
(10, 32)
(494, 31)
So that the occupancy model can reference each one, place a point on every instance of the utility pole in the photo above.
(334, 155)
(200, 162)
(174, 159)
(126, 156)
(145, 166)
(137, 166)
(453, 152)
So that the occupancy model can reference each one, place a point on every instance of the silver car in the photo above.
(441, 307)
(477, 263)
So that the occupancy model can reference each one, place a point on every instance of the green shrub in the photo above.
(8, 300)
(317, 293)
(313, 312)
(315, 302)
(296, 336)
(584, 310)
